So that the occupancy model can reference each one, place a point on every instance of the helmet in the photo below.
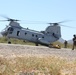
(74, 35)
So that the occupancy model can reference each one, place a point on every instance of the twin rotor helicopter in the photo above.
(51, 34)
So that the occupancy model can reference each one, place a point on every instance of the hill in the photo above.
(70, 41)
(61, 40)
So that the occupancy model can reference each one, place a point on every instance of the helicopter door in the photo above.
(18, 33)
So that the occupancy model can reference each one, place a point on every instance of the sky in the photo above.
(44, 11)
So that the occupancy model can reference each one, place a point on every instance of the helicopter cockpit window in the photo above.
(10, 30)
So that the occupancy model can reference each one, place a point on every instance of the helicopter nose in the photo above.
(4, 33)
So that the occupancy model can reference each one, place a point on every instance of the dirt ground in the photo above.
(13, 50)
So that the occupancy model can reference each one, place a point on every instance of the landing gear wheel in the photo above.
(50, 45)
(9, 42)
(36, 44)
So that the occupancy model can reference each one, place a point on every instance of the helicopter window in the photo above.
(36, 36)
(25, 33)
(10, 29)
(33, 35)
(54, 35)
(18, 33)
(48, 32)
(10, 32)
(42, 36)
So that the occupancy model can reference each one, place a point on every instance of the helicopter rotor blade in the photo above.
(3, 20)
(5, 17)
(39, 22)
(67, 26)
(8, 19)
(57, 23)
(64, 21)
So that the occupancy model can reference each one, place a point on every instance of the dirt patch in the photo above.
(13, 50)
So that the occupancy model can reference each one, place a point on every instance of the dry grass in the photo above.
(17, 41)
(32, 65)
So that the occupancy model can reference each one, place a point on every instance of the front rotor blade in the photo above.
(5, 16)
(3, 20)
(8, 19)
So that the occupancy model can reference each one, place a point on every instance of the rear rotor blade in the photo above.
(67, 26)
(64, 21)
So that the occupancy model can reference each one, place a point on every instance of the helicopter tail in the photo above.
(55, 31)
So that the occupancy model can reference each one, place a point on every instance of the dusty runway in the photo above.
(12, 50)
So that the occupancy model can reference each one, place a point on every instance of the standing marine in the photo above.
(74, 41)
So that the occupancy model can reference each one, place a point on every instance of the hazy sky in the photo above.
(41, 10)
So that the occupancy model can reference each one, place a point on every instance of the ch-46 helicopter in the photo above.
(51, 34)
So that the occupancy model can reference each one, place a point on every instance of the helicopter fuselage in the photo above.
(50, 35)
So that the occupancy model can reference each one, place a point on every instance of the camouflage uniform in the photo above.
(65, 44)
(74, 42)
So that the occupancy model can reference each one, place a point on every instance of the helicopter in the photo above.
(51, 33)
